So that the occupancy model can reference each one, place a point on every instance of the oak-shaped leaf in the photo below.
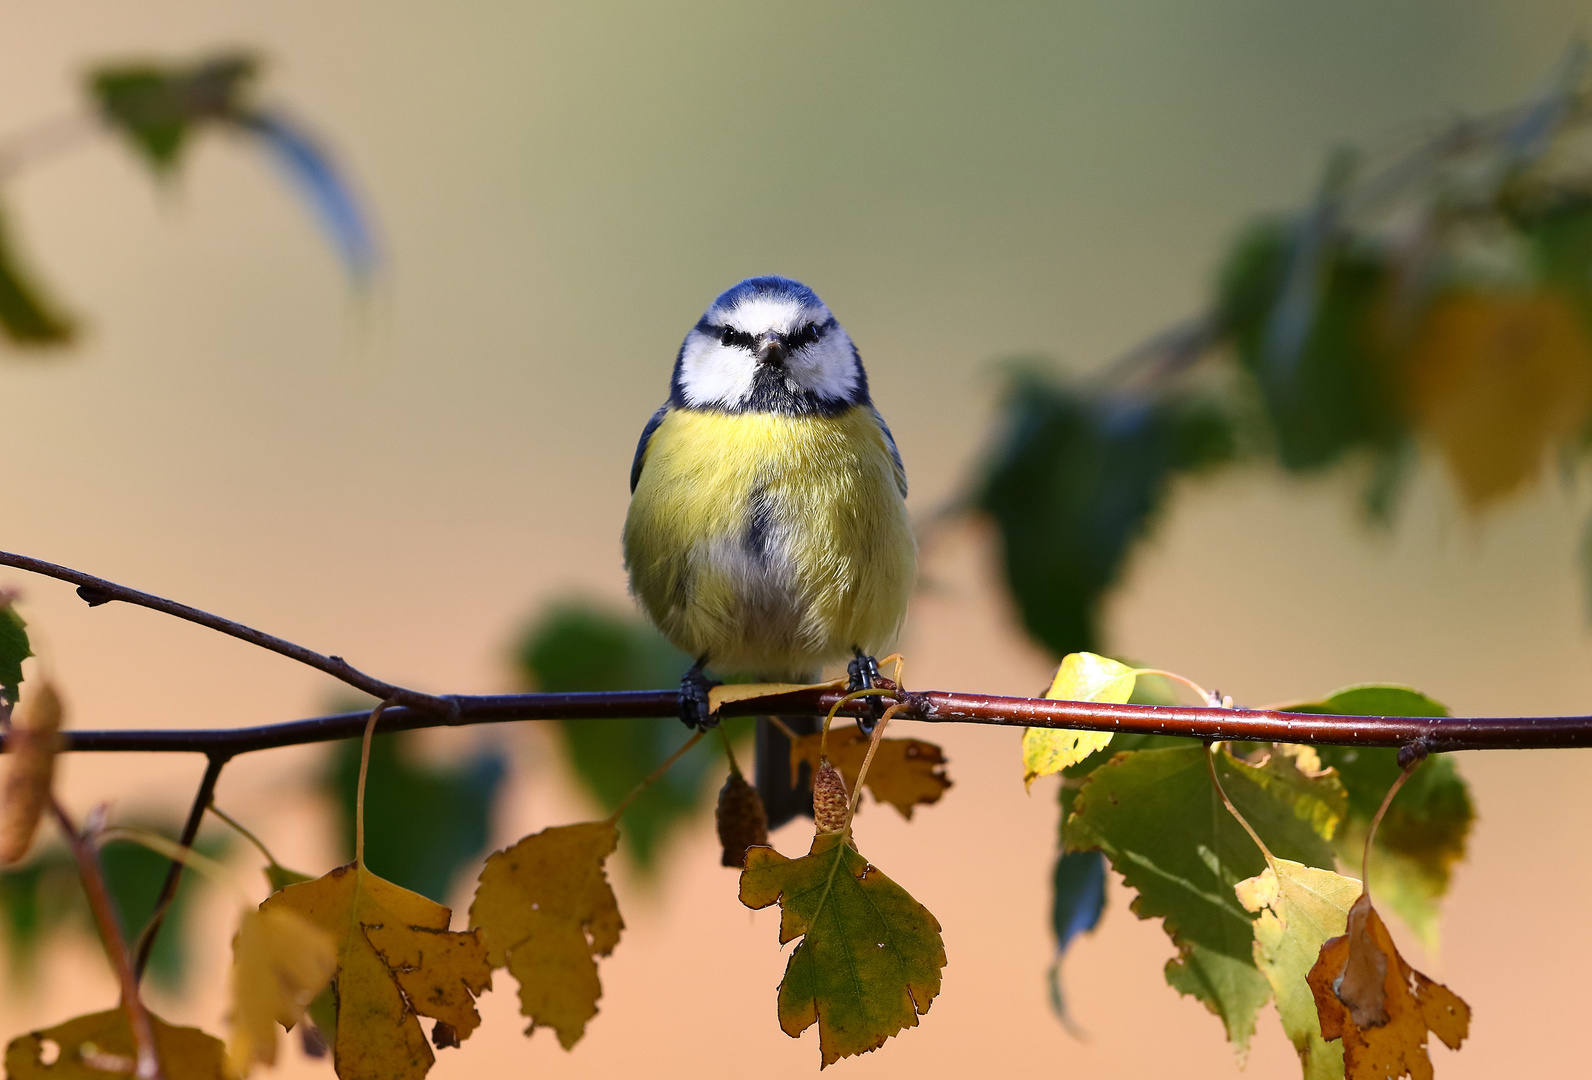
(100, 1046)
(1162, 824)
(32, 743)
(1299, 908)
(905, 772)
(870, 956)
(280, 962)
(396, 961)
(1367, 996)
(1424, 834)
(1082, 676)
(545, 910)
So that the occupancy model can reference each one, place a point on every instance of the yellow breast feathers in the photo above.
(770, 543)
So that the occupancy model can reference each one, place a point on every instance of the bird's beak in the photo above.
(771, 350)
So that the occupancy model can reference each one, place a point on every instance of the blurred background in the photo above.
(412, 471)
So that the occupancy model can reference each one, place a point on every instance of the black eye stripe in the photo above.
(728, 336)
(734, 338)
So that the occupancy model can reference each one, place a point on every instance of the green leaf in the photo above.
(424, 824)
(27, 316)
(1560, 238)
(1160, 821)
(1327, 385)
(14, 649)
(577, 646)
(870, 956)
(1078, 900)
(157, 106)
(1426, 829)
(1300, 908)
(1075, 481)
(36, 900)
(1081, 677)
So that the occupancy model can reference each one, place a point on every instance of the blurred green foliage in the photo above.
(26, 315)
(43, 898)
(158, 106)
(579, 646)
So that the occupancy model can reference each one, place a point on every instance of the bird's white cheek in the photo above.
(716, 376)
(827, 369)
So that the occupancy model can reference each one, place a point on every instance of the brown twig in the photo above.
(105, 919)
(97, 590)
(168, 888)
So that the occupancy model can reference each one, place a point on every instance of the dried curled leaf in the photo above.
(546, 912)
(741, 819)
(1367, 996)
(1300, 907)
(870, 956)
(397, 960)
(1082, 676)
(100, 1047)
(33, 740)
(905, 772)
(280, 962)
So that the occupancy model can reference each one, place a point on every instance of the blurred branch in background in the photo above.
(1440, 300)
(159, 109)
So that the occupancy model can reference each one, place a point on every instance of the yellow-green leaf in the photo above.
(100, 1047)
(280, 961)
(870, 956)
(1300, 907)
(546, 912)
(396, 961)
(1082, 676)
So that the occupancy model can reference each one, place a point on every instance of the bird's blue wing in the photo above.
(646, 437)
(889, 440)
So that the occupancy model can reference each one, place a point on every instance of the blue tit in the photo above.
(768, 532)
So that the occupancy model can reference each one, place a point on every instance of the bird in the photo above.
(767, 534)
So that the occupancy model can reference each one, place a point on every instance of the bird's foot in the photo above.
(863, 672)
(694, 709)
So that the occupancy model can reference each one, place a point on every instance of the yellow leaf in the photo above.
(546, 911)
(396, 960)
(1497, 380)
(33, 740)
(100, 1047)
(1300, 907)
(280, 961)
(1367, 996)
(1081, 677)
(723, 695)
(905, 772)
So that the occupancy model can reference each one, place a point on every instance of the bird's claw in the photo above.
(863, 672)
(695, 711)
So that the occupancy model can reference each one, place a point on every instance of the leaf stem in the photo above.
(1370, 834)
(867, 760)
(1210, 766)
(657, 774)
(359, 793)
(179, 853)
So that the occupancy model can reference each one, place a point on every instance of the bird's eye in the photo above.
(802, 338)
(736, 338)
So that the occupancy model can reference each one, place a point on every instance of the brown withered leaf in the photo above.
(396, 961)
(546, 911)
(905, 772)
(33, 740)
(741, 819)
(1378, 1005)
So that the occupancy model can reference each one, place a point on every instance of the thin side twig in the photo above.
(168, 888)
(97, 590)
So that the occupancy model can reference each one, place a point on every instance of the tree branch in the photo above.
(1429, 734)
(96, 591)
(168, 888)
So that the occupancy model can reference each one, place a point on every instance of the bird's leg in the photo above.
(864, 675)
(694, 687)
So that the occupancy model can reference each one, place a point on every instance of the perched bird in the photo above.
(768, 532)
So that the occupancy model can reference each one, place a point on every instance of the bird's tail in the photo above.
(784, 794)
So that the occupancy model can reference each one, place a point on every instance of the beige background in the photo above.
(403, 478)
